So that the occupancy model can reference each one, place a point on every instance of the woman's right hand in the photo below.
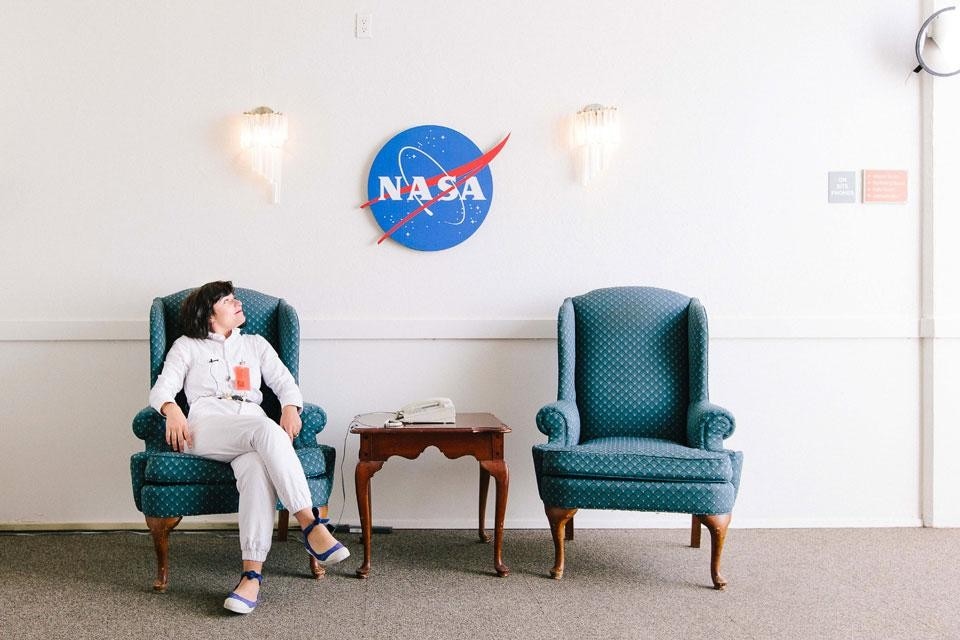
(178, 431)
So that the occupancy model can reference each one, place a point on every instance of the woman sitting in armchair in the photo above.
(219, 370)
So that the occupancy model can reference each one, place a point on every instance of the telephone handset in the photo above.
(431, 410)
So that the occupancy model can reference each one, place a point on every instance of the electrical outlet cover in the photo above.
(364, 25)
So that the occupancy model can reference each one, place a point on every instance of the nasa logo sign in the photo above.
(430, 187)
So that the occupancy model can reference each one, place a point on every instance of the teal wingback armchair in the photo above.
(168, 485)
(632, 427)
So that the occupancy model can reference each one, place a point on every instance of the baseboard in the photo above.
(601, 519)
(660, 521)
(821, 523)
(430, 328)
(110, 526)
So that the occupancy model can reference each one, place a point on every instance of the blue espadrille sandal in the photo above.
(333, 555)
(239, 604)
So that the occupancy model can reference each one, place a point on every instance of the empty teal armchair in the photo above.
(168, 485)
(632, 427)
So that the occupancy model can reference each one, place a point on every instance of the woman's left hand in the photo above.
(290, 421)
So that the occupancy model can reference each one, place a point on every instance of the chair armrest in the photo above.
(708, 425)
(560, 421)
(314, 419)
(151, 427)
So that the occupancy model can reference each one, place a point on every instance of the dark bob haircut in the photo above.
(198, 307)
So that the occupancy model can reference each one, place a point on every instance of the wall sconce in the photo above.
(596, 131)
(264, 131)
(937, 41)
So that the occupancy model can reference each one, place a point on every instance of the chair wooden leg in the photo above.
(558, 517)
(717, 526)
(695, 529)
(317, 569)
(568, 534)
(283, 525)
(160, 531)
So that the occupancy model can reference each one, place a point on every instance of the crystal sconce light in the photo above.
(264, 132)
(596, 133)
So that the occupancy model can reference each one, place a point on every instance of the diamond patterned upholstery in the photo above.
(168, 484)
(175, 468)
(632, 427)
(637, 459)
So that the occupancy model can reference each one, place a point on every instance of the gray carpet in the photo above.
(851, 583)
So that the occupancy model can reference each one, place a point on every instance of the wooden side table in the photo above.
(475, 434)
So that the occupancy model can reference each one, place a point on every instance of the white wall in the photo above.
(125, 181)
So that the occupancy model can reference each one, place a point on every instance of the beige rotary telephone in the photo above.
(431, 410)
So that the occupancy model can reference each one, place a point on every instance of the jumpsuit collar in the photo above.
(216, 337)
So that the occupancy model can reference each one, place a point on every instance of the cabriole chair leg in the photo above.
(558, 517)
(717, 526)
(160, 531)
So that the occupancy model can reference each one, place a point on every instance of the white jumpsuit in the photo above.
(238, 431)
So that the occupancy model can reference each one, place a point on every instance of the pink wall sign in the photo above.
(884, 186)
